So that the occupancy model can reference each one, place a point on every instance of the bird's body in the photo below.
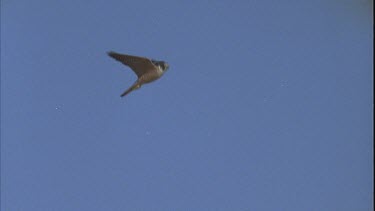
(146, 69)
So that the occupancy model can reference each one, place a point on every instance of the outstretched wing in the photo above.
(135, 86)
(140, 65)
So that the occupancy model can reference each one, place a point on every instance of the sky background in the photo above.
(267, 105)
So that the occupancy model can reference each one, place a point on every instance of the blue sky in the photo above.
(267, 105)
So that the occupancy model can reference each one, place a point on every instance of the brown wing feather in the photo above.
(140, 65)
(135, 86)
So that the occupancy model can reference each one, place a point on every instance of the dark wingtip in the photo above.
(126, 93)
(111, 53)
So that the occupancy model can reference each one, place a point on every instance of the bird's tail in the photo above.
(135, 86)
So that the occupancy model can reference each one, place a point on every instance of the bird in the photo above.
(147, 70)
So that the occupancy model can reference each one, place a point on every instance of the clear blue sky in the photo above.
(267, 105)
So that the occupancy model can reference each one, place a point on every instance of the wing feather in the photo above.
(140, 65)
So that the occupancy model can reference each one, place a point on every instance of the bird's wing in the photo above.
(140, 65)
(135, 86)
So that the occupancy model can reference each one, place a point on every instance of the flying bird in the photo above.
(147, 70)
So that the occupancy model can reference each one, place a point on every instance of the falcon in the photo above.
(147, 70)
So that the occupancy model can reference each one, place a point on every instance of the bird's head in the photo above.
(164, 66)
(161, 64)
